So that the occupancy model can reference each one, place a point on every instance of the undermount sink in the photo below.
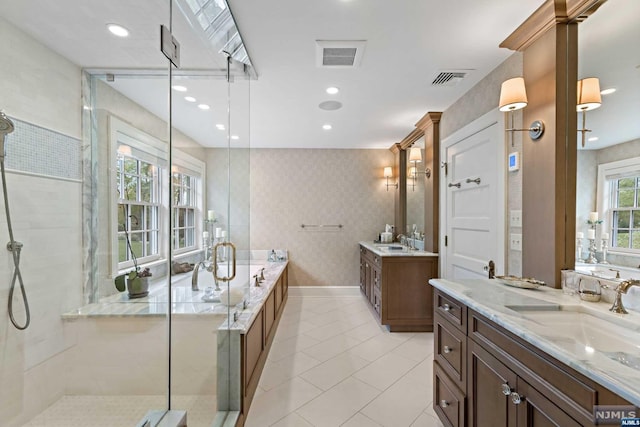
(614, 337)
(393, 248)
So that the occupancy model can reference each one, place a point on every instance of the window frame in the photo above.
(185, 164)
(606, 197)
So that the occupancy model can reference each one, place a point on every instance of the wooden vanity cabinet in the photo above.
(256, 342)
(486, 376)
(398, 289)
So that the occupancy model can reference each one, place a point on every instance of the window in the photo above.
(184, 211)
(140, 199)
(138, 184)
(619, 200)
(626, 212)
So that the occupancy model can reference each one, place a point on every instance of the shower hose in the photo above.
(14, 247)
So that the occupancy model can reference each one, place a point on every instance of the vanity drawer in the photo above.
(448, 400)
(451, 310)
(451, 351)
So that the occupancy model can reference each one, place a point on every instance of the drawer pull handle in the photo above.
(516, 398)
(446, 307)
(447, 349)
(506, 390)
(457, 185)
(444, 403)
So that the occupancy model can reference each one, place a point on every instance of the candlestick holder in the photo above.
(579, 248)
(605, 249)
(591, 259)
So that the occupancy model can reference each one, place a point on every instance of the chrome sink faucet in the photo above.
(622, 288)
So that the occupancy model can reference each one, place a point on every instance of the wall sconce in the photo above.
(588, 99)
(513, 96)
(415, 157)
(388, 173)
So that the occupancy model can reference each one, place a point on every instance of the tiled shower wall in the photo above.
(41, 92)
(291, 187)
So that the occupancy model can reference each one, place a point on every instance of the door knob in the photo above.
(516, 398)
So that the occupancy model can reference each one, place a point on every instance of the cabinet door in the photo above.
(376, 278)
(363, 276)
(489, 387)
(368, 280)
(535, 410)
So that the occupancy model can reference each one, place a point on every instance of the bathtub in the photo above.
(184, 301)
(608, 270)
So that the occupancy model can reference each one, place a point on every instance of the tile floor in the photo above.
(332, 364)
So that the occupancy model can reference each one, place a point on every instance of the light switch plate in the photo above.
(515, 218)
(515, 242)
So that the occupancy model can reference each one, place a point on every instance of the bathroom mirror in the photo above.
(415, 189)
(607, 41)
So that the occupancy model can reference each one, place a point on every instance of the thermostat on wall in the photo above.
(514, 161)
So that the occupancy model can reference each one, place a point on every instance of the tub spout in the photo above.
(194, 276)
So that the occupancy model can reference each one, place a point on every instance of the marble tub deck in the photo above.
(184, 301)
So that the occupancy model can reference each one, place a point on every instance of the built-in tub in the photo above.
(121, 343)
(608, 270)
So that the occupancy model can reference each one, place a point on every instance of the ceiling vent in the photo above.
(339, 53)
(449, 78)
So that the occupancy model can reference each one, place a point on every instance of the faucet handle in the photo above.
(617, 272)
(256, 282)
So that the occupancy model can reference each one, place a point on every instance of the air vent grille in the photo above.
(339, 53)
(448, 78)
(339, 56)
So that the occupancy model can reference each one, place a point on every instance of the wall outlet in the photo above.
(515, 242)
(515, 218)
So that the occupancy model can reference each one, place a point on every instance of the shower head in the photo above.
(6, 127)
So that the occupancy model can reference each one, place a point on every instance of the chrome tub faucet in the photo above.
(622, 288)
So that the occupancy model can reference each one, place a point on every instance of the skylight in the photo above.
(215, 19)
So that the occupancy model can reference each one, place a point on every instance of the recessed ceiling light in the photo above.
(220, 126)
(179, 88)
(203, 106)
(118, 30)
(608, 91)
(592, 139)
(189, 99)
(332, 90)
(326, 127)
(235, 137)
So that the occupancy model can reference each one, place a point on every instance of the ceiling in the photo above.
(408, 42)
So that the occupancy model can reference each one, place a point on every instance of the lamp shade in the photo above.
(415, 155)
(388, 172)
(513, 95)
(588, 94)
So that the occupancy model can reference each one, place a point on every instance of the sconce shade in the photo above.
(415, 155)
(588, 94)
(513, 95)
(388, 172)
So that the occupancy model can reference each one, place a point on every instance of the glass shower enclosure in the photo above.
(130, 175)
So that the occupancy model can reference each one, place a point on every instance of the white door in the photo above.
(474, 199)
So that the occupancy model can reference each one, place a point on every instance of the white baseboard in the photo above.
(324, 291)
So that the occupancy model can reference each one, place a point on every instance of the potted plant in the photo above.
(136, 282)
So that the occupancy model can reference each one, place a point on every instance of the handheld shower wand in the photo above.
(6, 127)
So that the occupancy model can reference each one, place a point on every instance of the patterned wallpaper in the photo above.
(290, 187)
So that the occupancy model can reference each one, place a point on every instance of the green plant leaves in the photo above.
(120, 282)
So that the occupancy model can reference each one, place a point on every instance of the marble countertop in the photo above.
(381, 250)
(245, 317)
(184, 301)
(587, 337)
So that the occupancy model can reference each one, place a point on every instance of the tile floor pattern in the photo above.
(120, 411)
(332, 364)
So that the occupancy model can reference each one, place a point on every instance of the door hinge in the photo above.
(445, 166)
(446, 240)
(169, 46)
